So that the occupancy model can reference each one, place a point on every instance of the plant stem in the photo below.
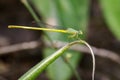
(25, 2)
(36, 70)
(27, 5)
(93, 57)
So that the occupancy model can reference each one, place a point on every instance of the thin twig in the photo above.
(19, 47)
(35, 44)
(93, 57)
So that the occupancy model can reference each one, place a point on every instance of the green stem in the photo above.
(27, 5)
(33, 73)
(25, 2)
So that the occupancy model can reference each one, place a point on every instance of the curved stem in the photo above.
(93, 57)
(36, 70)
(92, 53)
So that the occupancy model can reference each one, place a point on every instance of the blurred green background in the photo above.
(98, 19)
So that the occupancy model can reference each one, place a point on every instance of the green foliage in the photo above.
(71, 14)
(68, 14)
(111, 11)
(43, 7)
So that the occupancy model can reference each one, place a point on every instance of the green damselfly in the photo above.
(71, 31)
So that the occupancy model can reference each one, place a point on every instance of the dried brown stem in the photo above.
(35, 44)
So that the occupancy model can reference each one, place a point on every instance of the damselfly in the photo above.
(71, 31)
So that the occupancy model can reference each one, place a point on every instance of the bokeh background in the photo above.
(98, 19)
